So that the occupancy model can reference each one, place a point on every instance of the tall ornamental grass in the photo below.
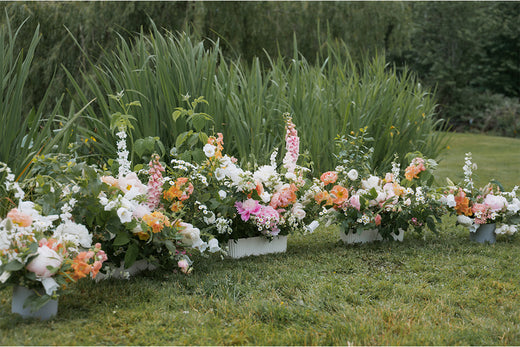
(332, 97)
(26, 135)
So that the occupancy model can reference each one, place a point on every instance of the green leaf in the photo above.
(176, 115)
(122, 238)
(182, 137)
(198, 121)
(131, 255)
(13, 265)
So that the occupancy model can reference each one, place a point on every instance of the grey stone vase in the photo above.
(484, 233)
(20, 293)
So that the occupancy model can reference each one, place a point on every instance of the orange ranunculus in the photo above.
(329, 177)
(339, 194)
(80, 266)
(156, 220)
(19, 218)
(176, 206)
(173, 193)
(323, 196)
(462, 204)
(411, 172)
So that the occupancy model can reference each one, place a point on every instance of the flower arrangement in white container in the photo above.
(370, 208)
(230, 203)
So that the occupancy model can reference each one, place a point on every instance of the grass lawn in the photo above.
(431, 289)
(496, 158)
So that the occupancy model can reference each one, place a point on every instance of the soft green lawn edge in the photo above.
(436, 289)
(496, 158)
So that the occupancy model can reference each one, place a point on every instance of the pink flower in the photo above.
(46, 257)
(183, 265)
(495, 203)
(389, 177)
(354, 202)
(247, 208)
(141, 210)
(19, 218)
(155, 182)
(284, 197)
(377, 220)
(268, 218)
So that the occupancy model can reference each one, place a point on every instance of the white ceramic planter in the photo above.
(256, 246)
(369, 235)
(20, 293)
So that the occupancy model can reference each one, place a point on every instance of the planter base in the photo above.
(48, 311)
(256, 246)
(369, 235)
(122, 273)
(484, 233)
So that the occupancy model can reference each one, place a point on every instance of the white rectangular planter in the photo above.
(257, 245)
(369, 235)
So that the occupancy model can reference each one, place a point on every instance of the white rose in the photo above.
(464, 220)
(298, 211)
(266, 197)
(222, 194)
(77, 233)
(190, 234)
(514, 206)
(46, 257)
(209, 150)
(353, 174)
(371, 182)
(210, 219)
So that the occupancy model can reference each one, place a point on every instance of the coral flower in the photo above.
(462, 204)
(157, 221)
(80, 266)
(339, 194)
(323, 196)
(329, 177)
(19, 218)
(172, 193)
(284, 197)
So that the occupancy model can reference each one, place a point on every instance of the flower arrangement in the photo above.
(477, 206)
(230, 202)
(352, 196)
(45, 251)
(122, 208)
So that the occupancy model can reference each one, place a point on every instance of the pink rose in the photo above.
(495, 202)
(354, 202)
(183, 265)
(46, 257)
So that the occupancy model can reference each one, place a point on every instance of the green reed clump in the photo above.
(334, 96)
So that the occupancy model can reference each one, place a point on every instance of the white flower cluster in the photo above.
(122, 153)
(223, 225)
(10, 183)
(468, 172)
(396, 170)
(506, 229)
